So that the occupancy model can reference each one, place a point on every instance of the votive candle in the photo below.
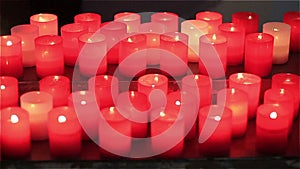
(9, 91)
(132, 20)
(249, 20)
(214, 19)
(90, 20)
(293, 19)
(168, 19)
(47, 23)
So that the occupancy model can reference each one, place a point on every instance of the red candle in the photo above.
(215, 130)
(11, 56)
(49, 55)
(106, 89)
(114, 32)
(149, 82)
(70, 34)
(174, 49)
(47, 23)
(132, 60)
(250, 84)
(92, 58)
(272, 123)
(168, 19)
(293, 19)
(64, 132)
(9, 93)
(249, 20)
(291, 83)
(259, 53)
(132, 20)
(237, 101)
(214, 19)
(58, 87)
(27, 33)
(90, 20)
(213, 55)
(136, 106)
(15, 132)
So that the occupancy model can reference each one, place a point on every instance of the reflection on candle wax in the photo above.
(249, 17)
(273, 115)
(83, 102)
(14, 119)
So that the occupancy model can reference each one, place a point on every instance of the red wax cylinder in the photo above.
(27, 33)
(58, 87)
(11, 56)
(291, 83)
(213, 55)
(90, 20)
(92, 58)
(47, 23)
(168, 19)
(114, 33)
(64, 132)
(293, 19)
(235, 35)
(259, 53)
(132, 20)
(174, 49)
(237, 101)
(49, 55)
(70, 34)
(215, 130)
(250, 84)
(106, 89)
(249, 20)
(15, 132)
(9, 93)
(272, 123)
(214, 19)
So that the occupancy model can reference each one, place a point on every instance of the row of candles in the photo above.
(124, 40)
(66, 118)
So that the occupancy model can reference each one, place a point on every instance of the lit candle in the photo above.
(174, 49)
(249, 20)
(11, 56)
(38, 104)
(168, 19)
(293, 19)
(9, 91)
(132, 58)
(213, 55)
(237, 101)
(259, 53)
(47, 23)
(149, 82)
(250, 84)
(114, 33)
(215, 130)
(64, 133)
(90, 20)
(136, 106)
(15, 132)
(49, 55)
(106, 89)
(132, 20)
(70, 34)
(235, 35)
(291, 83)
(271, 129)
(27, 33)
(58, 87)
(281, 33)
(214, 19)
(194, 29)
(92, 58)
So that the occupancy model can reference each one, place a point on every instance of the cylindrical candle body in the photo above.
(58, 87)
(15, 132)
(38, 104)
(214, 19)
(235, 35)
(27, 33)
(11, 56)
(132, 20)
(259, 53)
(90, 20)
(70, 34)
(293, 19)
(9, 93)
(49, 55)
(47, 23)
(249, 20)
(281, 33)
(250, 84)
(168, 19)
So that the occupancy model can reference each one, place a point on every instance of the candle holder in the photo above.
(47, 23)
(168, 19)
(214, 19)
(249, 20)
(132, 20)
(90, 20)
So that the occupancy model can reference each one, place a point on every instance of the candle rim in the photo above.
(202, 14)
(227, 113)
(35, 17)
(98, 79)
(95, 38)
(73, 28)
(144, 27)
(24, 28)
(253, 37)
(203, 78)
(23, 115)
(198, 24)
(281, 26)
(143, 79)
(43, 97)
(283, 76)
(280, 111)
(220, 39)
(170, 37)
(110, 26)
(226, 27)
(87, 17)
(122, 15)
(158, 15)
(5, 80)
(244, 15)
(137, 39)
(13, 39)
(47, 40)
(275, 94)
(234, 77)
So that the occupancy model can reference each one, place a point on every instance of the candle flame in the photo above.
(214, 37)
(249, 17)
(61, 119)
(240, 76)
(154, 40)
(129, 40)
(259, 37)
(111, 110)
(232, 29)
(52, 43)
(217, 118)
(14, 119)
(105, 77)
(177, 103)
(56, 78)
(162, 114)
(233, 91)
(177, 38)
(41, 18)
(156, 79)
(132, 93)
(205, 18)
(275, 29)
(281, 91)
(153, 86)
(196, 77)
(83, 102)
(9, 43)
(273, 115)
(2, 87)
